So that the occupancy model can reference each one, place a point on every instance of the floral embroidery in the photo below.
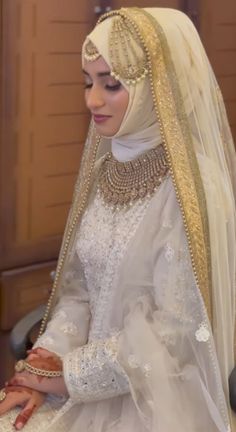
(60, 314)
(202, 334)
(69, 328)
(45, 341)
(94, 371)
(134, 364)
(100, 252)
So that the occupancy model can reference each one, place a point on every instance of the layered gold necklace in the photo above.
(123, 183)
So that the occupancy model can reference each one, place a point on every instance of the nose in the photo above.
(94, 98)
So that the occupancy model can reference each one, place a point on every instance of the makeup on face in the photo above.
(105, 97)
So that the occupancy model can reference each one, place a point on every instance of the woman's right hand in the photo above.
(30, 400)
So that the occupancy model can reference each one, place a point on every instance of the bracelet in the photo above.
(22, 365)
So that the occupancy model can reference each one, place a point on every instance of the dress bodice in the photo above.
(102, 241)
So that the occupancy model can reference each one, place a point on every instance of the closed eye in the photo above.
(114, 87)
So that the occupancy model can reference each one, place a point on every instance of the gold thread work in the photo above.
(128, 60)
(177, 142)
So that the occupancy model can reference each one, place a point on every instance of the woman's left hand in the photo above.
(43, 384)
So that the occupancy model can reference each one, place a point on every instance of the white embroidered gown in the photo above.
(81, 331)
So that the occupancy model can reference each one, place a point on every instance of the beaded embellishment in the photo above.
(128, 59)
(122, 183)
(127, 53)
(90, 51)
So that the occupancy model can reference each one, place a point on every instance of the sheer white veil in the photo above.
(175, 310)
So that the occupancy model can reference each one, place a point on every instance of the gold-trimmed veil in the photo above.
(201, 158)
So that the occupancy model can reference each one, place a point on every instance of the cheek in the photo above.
(122, 102)
(86, 98)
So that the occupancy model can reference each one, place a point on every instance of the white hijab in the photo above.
(139, 130)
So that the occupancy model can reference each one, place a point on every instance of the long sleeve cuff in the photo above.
(92, 372)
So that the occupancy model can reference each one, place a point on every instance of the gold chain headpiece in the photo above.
(128, 60)
(126, 52)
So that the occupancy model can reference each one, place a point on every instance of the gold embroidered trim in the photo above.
(177, 142)
(179, 147)
(123, 183)
(79, 200)
(179, 152)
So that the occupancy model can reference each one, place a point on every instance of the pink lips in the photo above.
(98, 118)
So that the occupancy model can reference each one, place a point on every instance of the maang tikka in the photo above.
(127, 57)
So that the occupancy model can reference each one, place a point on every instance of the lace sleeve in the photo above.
(93, 372)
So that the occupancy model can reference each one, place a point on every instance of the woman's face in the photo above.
(105, 97)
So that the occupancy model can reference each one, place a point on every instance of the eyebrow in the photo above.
(99, 74)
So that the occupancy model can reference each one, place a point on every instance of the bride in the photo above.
(139, 331)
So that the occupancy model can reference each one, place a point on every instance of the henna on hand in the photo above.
(24, 397)
(23, 417)
(33, 403)
(16, 389)
(50, 363)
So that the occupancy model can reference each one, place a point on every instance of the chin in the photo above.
(105, 132)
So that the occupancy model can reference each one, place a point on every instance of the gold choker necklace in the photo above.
(123, 183)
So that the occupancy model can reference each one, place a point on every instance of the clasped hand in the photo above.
(28, 390)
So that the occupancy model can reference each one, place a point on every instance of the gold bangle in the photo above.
(22, 365)
(3, 395)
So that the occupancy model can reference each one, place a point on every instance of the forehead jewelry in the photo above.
(127, 56)
(90, 51)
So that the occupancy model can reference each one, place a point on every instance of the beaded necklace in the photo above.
(123, 183)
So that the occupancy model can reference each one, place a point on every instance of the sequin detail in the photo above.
(101, 250)
(93, 373)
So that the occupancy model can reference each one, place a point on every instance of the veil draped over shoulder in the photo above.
(173, 309)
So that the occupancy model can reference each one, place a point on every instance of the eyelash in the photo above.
(114, 87)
